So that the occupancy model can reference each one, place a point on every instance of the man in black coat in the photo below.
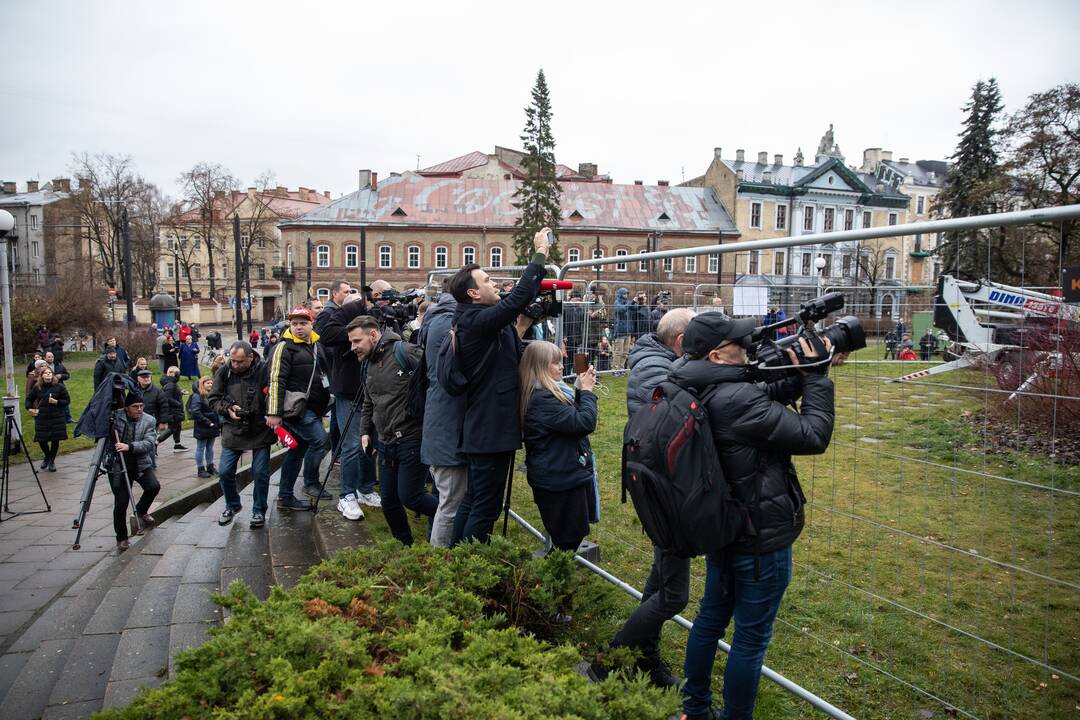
(755, 435)
(489, 348)
(155, 404)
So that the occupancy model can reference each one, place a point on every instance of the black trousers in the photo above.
(49, 448)
(173, 431)
(150, 486)
(667, 590)
(565, 514)
(483, 499)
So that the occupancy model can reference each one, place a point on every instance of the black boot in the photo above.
(658, 672)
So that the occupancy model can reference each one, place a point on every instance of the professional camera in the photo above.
(545, 305)
(395, 307)
(769, 358)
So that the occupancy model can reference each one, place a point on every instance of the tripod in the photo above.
(337, 451)
(13, 441)
(93, 473)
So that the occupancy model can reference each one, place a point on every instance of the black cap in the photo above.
(710, 329)
(144, 371)
(131, 398)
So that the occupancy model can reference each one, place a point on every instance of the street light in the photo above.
(11, 396)
(819, 265)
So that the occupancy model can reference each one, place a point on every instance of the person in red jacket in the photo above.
(185, 332)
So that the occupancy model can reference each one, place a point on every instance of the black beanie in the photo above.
(131, 398)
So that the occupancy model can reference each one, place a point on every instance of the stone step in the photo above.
(247, 553)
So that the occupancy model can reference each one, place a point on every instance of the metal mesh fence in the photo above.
(938, 573)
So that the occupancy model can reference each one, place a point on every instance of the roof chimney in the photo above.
(281, 191)
(588, 170)
(763, 158)
(31, 186)
(766, 177)
(326, 194)
(740, 155)
(302, 193)
(251, 192)
(778, 159)
(886, 155)
(61, 185)
(717, 153)
(9, 187)
(638, 182)
(662, 183)
(365, 179)
(739, 174)
(904, 160)
(374, 181)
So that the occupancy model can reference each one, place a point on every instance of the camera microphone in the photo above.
(546, 285)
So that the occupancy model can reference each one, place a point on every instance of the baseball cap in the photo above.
(301, 312)
(710, 329)
(144, 371)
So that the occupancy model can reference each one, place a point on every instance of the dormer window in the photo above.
(663, 216)
(576, 215)
(398, 213)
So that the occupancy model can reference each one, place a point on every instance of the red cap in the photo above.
(301, 312)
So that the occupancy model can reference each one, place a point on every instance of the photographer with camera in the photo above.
(136, 442)
(489, 348)
(347, 374)
(237, 396)
(755, 435)
(402, 476)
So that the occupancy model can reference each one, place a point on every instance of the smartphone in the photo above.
(581, 363)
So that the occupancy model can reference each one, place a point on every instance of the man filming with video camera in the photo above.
(755, 434)
(488, 349)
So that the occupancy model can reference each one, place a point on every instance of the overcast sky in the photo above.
(315, 91)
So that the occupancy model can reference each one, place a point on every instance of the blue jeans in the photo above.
(311, 447)
(480, 508)
(204, 452)
(753, 602)
(357, 468)
(403, 484)
(260, 475)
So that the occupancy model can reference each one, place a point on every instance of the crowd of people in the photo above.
(427, 415)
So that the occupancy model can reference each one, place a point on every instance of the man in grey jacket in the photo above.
(136, 442)
(667, 589)
(443, 418)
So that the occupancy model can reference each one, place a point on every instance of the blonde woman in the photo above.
(207, 426)
(557, 422)
(217, 363)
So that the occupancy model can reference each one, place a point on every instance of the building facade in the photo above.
(47, 241)
(411, 224)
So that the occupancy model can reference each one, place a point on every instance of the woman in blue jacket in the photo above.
(556, 423)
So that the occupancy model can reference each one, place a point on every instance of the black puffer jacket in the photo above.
(346, 371)
(756, 435)
(650, 362)
(291, 364)
(155, 403)
(207, 422)
(558, 456)
(172, 405)
(50, 423)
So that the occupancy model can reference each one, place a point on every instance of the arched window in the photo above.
(442, 257)
(323, 294)
(352, 256)
(322, 256)
(386, 256)
(288, 257)
(414, 257)
(573, 254)
(621, 266)
(496, 257)
(886, 306)
(890, 265)
(468, 255)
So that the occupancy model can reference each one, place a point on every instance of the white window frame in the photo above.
(169, 270)
(867, 218)
(412, 257)
(34, 249)
(845, 265)
(495, 257)
(849, 218)
(828, 219)
(468, 255)
(753, 263)
(598, 253)
(920, 204)
(643, 265)
(33, 221)
(621, 266)
(812, 212)
(573, 255)
(826, 271)
(352, 256)
(288, 258)
(386, 257)
(442, 257)
(323, 294)
(756, 205)
(890, 265)
(714, 264)
(893, 218)
(779, 257)
(322, 256)
(690, 264)
(807, 263)
(668, 265)
(780, 218)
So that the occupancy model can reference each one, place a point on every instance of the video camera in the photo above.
(769, 359)
(396, 307)
(545, 305)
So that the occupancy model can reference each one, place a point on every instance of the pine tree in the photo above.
(973, 181)
(537, 198)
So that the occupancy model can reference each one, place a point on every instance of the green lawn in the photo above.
(81, 388)
(894, 549)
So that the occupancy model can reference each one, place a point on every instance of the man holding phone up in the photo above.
(489, 347)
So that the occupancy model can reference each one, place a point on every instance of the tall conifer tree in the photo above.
(973, 180)
(537, 198)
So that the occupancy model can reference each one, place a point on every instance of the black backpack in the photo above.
(416, 396)
(672, 471)
(451, 375)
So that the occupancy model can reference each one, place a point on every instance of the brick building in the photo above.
(46, 241)
(449, 215)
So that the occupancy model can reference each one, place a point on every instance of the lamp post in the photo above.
(11, 394)
(819, 265)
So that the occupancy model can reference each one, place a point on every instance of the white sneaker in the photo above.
(347, 506)
(371, 499)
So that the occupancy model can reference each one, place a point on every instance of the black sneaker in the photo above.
(659, 673)
(257, 520)
(227, 516)
(291, 502)
(314, 491)
(178, 448)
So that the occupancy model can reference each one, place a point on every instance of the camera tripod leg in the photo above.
(509, 492)
(137, 525)
(88, 491)
(13, 443)
(337, 451)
